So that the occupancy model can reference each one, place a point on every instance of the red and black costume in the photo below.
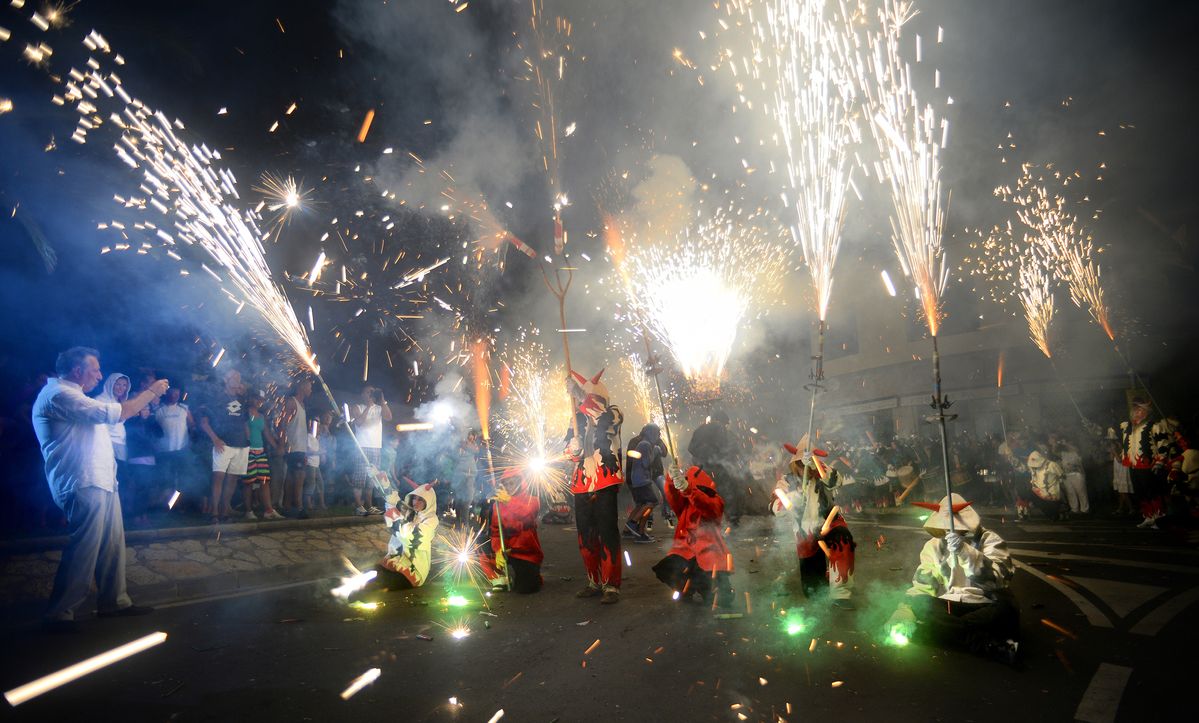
(594, 446)
(699, 562)
(514, 540)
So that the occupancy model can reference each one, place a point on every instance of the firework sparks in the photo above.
(456, 554)
(533, 416)
(360, 682)
(696, 292)
(282, 197)
(1037, 299)
(643, 388)
(910, 138)
(807, 60)
(43, 685)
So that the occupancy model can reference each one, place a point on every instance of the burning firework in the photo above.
(533, 417)
(1037, 299)
(456, 556)
(695, 292)
(282, 197)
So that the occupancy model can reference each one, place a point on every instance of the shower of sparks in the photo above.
(532, 419)
(456, 556)
(195, 201)
(45, 684)
(695, 292)
(1036, 297)
(910, 138)
(547, 48)
(805, 58)
(644, 393)
(353, 584)
(360, 682)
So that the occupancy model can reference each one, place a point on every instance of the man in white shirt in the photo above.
(81, 472)
(368, 420)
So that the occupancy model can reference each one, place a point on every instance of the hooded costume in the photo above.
(515, 548)
(116, 432)
(412, 531)
(644, 465)
(823, 542)
(594, 447)
(1046, 485)
(1150, 451)
(959, 592)
(699, 562)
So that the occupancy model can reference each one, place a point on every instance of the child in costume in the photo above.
(514, 554)
(699, 562)
(413, 526)
(959, 594)
(822, 539)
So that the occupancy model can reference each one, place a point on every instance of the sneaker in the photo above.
(630, 530)
(1147, 522)
(644, 539)
(125, 612)
(360, 511)
(670, 522)
(589, 591)
(250, 517)
(843, 604)
(374, 511)
(273, 515)
(610, 596)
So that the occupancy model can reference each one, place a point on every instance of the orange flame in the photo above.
(999, 374)
(482, 371)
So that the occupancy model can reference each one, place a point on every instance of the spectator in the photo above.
(258, 465)
(116, 389)
(297, 447)
(1075, 483)
(175, 420)
(81, 471)
(142, 435)
(223, 419)
(368, 419)
(314, 483)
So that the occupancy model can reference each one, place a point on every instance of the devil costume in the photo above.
(959, 594)
(594, 447)
(514, 551)
(822, 539)
(699, 562)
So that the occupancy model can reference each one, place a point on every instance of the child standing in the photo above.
(258, 469)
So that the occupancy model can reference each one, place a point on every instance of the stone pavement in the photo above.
(168, 564)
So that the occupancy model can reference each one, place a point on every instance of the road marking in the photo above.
(1121, 597)
(1183, 569)
(1152, 623)
(1096, 618)
(1102, 699)
(239, 593)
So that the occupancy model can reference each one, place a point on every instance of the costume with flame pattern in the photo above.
(594, 445)
(822, 539)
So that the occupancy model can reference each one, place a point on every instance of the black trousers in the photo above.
(681, 574)
(526, 577)
(967, 625)
(599, 537)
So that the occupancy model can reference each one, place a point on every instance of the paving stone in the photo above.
(200, 557)
(139, 575)
(177, 569)
(162, 553)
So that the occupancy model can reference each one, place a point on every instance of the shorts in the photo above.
(233, 460)
(362, 467)
(258, 470)
(296, 461)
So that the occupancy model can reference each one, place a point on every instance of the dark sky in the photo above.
(417, 61)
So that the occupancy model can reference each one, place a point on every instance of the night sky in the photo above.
(445, 87)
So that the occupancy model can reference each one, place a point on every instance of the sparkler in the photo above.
(1037, 299)
(282, 197)
(456, 552)
(45, 684)
(360, 682)
(537, 402)
(695, 292)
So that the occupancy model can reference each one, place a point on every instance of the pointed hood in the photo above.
(797, 454)
(425, 492)
(590, 394)
(697, 477)
(965, 518)
(1036, 460)
(109, 383)
(651, 433)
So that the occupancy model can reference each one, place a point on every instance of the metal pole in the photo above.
(940, 404)
(817, 376)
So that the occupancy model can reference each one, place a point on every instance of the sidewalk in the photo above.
(168, 564)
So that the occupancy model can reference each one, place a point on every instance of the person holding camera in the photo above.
(368, 419)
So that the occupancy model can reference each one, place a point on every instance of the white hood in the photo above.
(965, 518)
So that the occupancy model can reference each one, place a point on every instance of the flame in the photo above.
(482, 356)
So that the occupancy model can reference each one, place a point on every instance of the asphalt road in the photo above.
(1108, 616)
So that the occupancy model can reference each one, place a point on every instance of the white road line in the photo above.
(1102, 699)
(239, 593)
(1157, 619)
(1183, 569)
(1094, 615)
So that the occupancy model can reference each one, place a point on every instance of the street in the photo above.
(1105, 610)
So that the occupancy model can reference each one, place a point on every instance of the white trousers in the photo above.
(96, 550)
(1075, 487)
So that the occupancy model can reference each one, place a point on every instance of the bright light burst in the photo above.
(695, 292)
(282, 197)
(533, 417)
(644, 395)
(910, 137)
(456, 556)
(1036, 297)
(806, 58)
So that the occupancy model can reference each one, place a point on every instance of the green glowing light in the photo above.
(924, 517)
(457, 601)
(794, 628)
(897, 637)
